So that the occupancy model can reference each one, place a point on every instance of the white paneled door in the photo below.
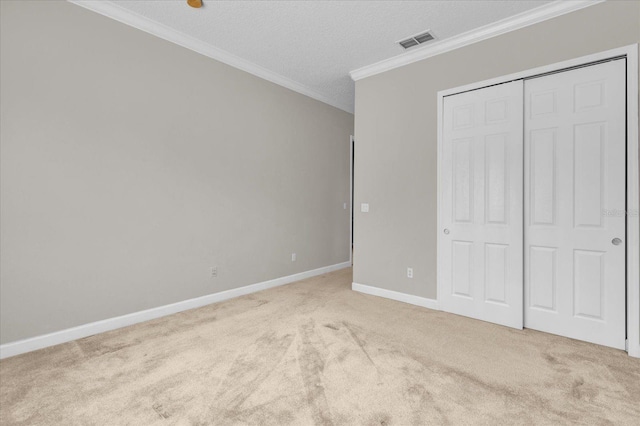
(575, 203)
(481, 235)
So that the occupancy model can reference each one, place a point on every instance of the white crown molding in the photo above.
(533, 16)
(74, 333)
(165, 32)
(395, 295)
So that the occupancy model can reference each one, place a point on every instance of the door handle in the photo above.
(446, 231)
(616, 241)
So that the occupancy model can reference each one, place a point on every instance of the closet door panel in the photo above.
(575, 148)
(480, 245)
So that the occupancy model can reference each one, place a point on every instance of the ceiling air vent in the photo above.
(416, 40)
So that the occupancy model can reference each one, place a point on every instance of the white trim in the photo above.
(633, 171)
(533, 16)
(395, 295)
(63, 336)
(633, 206)
(439, 227)
(351, 212)
(114, 11)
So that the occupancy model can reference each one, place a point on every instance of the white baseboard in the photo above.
(63, 336)
(395, 295)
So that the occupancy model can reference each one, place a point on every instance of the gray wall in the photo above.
(396, 135)
(130, 165)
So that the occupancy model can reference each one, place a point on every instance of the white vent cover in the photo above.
(416, 39)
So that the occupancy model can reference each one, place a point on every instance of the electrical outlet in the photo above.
(213, 271)
(293, 257)
(409, 272)
(364, 207)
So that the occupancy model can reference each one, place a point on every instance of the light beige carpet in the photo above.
(315, 352)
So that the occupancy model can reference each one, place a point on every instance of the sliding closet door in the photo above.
(575, 202)
(480, 243)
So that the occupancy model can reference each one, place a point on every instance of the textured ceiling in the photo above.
(317, 43)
